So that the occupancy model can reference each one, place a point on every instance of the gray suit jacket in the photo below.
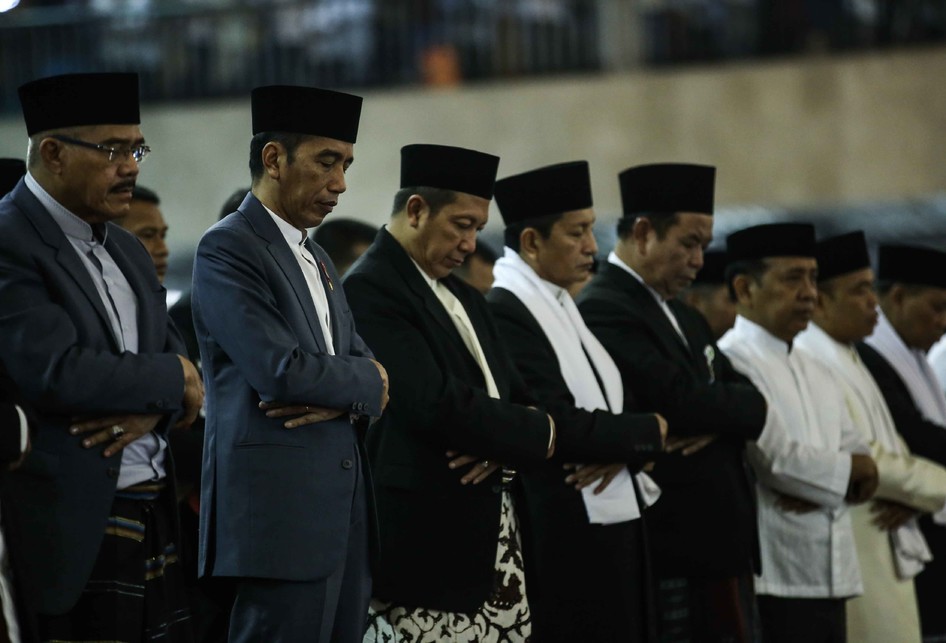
(58, 348)
(275, 502)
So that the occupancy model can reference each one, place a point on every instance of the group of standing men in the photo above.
(397, 453)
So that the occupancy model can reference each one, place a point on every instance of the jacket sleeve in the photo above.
(583, 436)
(239, 311)
(910, 480)
(729, 406)
(436, 401)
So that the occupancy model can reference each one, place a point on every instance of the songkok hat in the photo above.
(714, 268)
(842, 254)
(913, 265)
(771, 240)
(306, 110)
(667, 187)
(548, 190)
(10, 172)
(448, 168)
(74, 100)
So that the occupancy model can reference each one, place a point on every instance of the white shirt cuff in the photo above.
(24, 430)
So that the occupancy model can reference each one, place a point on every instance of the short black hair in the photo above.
(542, 225)
(289, 140)
(660, 221)
(338, 237)
(883, 287)
(753, 268)
(141, 193)
(233, 202)
(483, 252)
(436, 198)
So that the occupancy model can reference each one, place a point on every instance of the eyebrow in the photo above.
(338, 156)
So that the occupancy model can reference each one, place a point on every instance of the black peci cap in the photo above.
(548, 190)
(448, 168)
(75, 100)
(771, 240)
(842, 254)
(915, 265)
(306, 110)
(668, 187)
(714, 268)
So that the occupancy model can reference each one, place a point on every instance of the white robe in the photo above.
(887, 611)
(803, 451)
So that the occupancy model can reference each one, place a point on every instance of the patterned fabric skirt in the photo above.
(136, 590)
(504, 617)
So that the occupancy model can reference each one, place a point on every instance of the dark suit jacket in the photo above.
(438, 537)
(59, 349)
(560, 541)
(924, 437)
(704, 523)
(275, 502)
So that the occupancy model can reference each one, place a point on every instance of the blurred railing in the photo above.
(188, 49)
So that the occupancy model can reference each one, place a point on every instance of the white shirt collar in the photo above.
(617, 261)
(755, 332)
(293, 235)
(71, 225)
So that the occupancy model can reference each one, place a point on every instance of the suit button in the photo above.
(347, 464)
(112, 472)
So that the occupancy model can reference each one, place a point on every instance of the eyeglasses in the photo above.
(115, 154)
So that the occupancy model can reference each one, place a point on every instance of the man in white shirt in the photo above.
(911, 282)
(890, 547)
(810, 460)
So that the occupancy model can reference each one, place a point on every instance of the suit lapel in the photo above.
(328, 285)
(266, 228)
(648, 307)
(411, 276)
(66, 254)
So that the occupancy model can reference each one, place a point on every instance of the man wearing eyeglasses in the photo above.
(86, 340)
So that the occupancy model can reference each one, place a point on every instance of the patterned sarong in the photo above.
(504, 617)
(136, 590)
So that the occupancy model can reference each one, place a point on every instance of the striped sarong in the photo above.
(136, 590)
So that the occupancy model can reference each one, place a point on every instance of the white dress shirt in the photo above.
(804, 452)
(309, 265)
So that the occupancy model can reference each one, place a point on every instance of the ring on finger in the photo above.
(485, 464)
(117, 431)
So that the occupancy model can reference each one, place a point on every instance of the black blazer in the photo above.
(924, 437)
(438, 537)
(563, 549)
(704, 523)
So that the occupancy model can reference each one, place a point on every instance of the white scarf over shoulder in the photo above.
(915, 371)
(571, 340)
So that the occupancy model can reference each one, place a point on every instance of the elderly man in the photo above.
(810, 460)
(590, 537)
(451, 563)
(702, 532)
(890, 547)
(145, 221)
(912, 290)
(87, 342)
(284, 502)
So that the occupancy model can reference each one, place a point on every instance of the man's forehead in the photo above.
(110, 132)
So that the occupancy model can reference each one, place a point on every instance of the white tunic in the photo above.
(804, 452)
(887, 611)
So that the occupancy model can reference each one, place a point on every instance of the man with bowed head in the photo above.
(284, 505)
(87, 342)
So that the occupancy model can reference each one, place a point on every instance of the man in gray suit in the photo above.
(86, 341)
(285, 492)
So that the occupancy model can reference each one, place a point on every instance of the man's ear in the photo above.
(270, 156)
(741, 286)
(50, 153)
(640, 233)
(416, 209)
(529, 242)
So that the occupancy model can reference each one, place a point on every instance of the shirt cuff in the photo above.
(24, 430)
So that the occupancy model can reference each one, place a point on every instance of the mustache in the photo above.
(124, 185)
